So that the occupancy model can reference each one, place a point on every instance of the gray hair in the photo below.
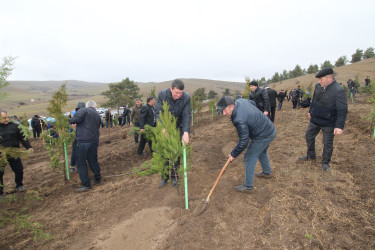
(91, 104)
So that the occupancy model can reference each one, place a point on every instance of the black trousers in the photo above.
(280, 105)
(142, 145)
(36, 133)
(271, 115)
(311, 132)
(136, 124)
(17, 167)
(175, 167)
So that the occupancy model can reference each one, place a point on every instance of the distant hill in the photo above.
(20, 93)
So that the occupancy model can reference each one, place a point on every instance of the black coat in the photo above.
(329, 106)
(281, 96)
(147, 116)
(11, 136)
(179, 108)
(88, 122)
(272, 95)
(260, 97)
(35, 124)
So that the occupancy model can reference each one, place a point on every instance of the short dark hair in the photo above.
(178, 84)
(150, 99)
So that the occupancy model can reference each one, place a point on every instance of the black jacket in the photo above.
(281, 96)
(11, 136)
(250, 124)
(147, 116)
(179, 108)
(88, 122)
(272, 95)
(329, 106)
(35, 124)
(260, 97)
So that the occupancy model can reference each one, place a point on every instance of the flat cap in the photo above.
(224, 102)
(253, 83)
(324, 72)
(80, 105)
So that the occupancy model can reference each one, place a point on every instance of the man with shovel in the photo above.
(252, 124)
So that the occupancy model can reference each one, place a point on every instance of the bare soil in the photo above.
(301, 207)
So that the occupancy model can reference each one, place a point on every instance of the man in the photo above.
(108, 118)
(351, 87)
(125, 116)
(260, 97)
(36, 125)
(294, 97)
(87, 122)
(135, 116)
(11, 137)
(299, 95)
(73, 156)
(272, 95)
(280, 99)
(327, 112)
(367, 81)
(147, 117)
(179, 106)
(250, 124)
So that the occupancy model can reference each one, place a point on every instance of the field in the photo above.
(301, 207)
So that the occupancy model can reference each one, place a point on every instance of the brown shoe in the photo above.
(264, 175)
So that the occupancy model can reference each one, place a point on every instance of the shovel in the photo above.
(202, 206)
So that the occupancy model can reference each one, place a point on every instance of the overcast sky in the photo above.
(160, 40)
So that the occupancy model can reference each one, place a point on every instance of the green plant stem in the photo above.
(185, 179)
(66, 162)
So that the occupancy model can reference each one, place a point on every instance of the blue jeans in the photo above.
(88, 152)
(257, 150)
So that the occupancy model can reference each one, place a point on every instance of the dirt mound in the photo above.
(301, 207)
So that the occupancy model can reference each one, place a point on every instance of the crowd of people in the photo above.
(253, 118)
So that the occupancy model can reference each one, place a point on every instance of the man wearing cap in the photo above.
(147, 117)
(260, 97)
(252, 124)
(88, 122)
(179, 106)
(73, 156)
(135, 116)
(327, 112)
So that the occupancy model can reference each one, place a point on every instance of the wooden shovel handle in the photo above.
(218, 178)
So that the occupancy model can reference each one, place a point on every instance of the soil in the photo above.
(301, 207)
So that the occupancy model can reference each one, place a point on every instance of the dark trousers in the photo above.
(136, 124)
(294, 102)
(73, 157)
(311, 132)
(36, 133)
(88, 152)
(17, 167)
(174, 170)
(280, 105)
(142, 145)
(271, 115)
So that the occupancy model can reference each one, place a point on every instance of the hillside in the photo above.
(302, 207)
(21, 92)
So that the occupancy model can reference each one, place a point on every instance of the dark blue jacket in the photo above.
(250, 123)
(11, 136)
(179, 108)
(88, 122)
(329, 106)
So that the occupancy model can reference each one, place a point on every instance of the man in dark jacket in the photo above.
(11, 137)
(147, 117)
(126, 116)
(135, 116)
(294, 97)
(280, 99)
(272, 95)
(260, 97)
(108, 118)
(250, 124)
(179, 106)
(87, 122)
(299, 95)
(73, 156)
(327, 112)
(36, 124)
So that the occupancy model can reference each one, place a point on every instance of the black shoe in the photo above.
(162, 183)
(264, 175)
(243, 188)
(174, 182)
(98, 182)
(73, 170)
(20, 189)
(306, 158)
(83, 189)
(325, 166)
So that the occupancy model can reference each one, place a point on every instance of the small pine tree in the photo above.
(59, 146)
(212, 106)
